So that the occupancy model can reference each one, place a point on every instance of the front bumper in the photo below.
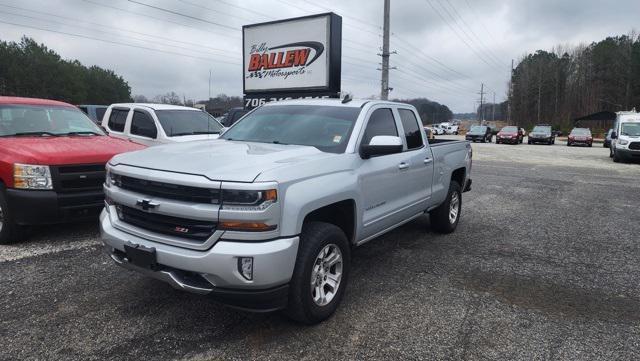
(33, 207)
(507, 140)
(540, 140)
(628, 153)
(215, 271)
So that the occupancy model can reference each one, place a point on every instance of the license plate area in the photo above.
(141, 256)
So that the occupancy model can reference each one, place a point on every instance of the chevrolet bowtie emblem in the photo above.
(146, 204)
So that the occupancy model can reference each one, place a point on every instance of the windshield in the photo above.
(45, 120)
(187, 122)
(327, 128)
(509, 130)
(542, 129)
(630, 129)
(580, 131)
(478, 129)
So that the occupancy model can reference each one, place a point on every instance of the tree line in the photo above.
(431, 112)
(565, 83)
(32, 70)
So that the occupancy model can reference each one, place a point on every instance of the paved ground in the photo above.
(545, 265)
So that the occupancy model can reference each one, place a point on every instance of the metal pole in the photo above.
(209, 84)
(384, 92)
(481, 115)
(510, 94)
(493, 108)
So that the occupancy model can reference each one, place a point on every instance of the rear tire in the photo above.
(307, 305)
(10, 232)
(443, 219)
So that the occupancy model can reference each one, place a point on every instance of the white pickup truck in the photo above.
(265, 217)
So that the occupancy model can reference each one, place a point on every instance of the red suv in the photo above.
(52, 164)
(510, 134)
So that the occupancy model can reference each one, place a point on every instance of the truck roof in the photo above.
(355, 103)
(4, 100)
(154, 106)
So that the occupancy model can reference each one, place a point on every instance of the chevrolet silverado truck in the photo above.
(52, 164)
(265, 217)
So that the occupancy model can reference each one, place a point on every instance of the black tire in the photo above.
(440, 221)
(610, 152)
(590, 145)
(9, 231)
(616, 157)
(568, 144)
(315, 236)
(528, 142)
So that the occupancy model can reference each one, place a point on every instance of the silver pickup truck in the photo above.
(265, 217)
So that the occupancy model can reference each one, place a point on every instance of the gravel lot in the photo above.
(544, 265)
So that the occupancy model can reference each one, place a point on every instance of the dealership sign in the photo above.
(292, 58)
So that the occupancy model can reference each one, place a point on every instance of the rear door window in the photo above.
(381, 122)
(143, 125)
(118, 119)
(100, 113)
(411, 129)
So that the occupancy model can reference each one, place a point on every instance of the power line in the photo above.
(116, 42)
(114, 28)
(482, 44)
(112, 33)
(458, 35)
(246, 9)
(153, 17)
(183, 15)
(214, 10)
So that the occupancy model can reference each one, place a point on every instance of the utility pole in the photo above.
(384, 92)
(481, 111)
(510, 94)
(209, 84)
(493, 108)
(539, 90)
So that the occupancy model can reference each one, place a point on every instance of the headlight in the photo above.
(623, 142)
(27, 176)
(112, 179)
(245, 200)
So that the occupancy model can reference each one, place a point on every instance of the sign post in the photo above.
(292, 58)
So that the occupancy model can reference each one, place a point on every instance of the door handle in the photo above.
(428, 160)
(403, 166)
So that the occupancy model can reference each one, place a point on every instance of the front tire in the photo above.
(616, 157)
(320, 274)
(445, 218)
(9, 231)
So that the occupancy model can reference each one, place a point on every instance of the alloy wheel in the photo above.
(326, 274)
(454, 207)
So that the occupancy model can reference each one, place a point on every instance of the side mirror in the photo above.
(381, 145)
(614, 135)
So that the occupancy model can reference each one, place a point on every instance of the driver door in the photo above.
(383, 179)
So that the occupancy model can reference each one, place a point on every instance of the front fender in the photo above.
(306, 196)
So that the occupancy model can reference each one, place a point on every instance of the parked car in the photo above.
(510, 134)
(479, 133)
(452, 129)
(580, 136)
(542, 134)
(94, 112)
(438, 129)
(232, 116)
(625, 138)
(607, 139)
(430, 133)
(52, 164)
(265, 217)
(154, 124)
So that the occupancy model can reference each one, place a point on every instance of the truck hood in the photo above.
(64, 149)
(221, 160)
(191, 138)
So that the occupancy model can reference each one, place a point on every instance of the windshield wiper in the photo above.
(278, 142)
(34, 133)
(81, 133)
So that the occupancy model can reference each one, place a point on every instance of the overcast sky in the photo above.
(445, 48)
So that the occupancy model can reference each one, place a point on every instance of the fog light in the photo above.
(245, 267)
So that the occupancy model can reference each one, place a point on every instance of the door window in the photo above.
(411, 129)
(381, 122)
(143, 125)
(118, 119)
